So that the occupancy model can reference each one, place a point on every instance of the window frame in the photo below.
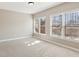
(63, 25)
(51, 34)
(35, 25)
(44, 17)
(69, 37)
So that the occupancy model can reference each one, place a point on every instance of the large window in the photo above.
(40, 25)
(56, 24)
(64, 25)
(37, 25)
(72, 24)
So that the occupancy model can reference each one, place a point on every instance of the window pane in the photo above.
(56, 24)
(37, 25)
(72, 24)
(42, 25)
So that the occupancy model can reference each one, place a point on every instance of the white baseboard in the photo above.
(15, 38)
(59, 44)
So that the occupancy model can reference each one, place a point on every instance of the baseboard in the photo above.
(15, 38)
(59, 44)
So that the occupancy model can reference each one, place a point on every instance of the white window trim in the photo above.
(63, 26)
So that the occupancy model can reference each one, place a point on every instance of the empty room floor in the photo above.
(31, 47)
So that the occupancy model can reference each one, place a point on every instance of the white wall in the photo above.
(14, 24)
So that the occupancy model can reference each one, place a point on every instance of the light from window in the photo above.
(56, 24)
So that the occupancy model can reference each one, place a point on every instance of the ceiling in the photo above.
(25, 8)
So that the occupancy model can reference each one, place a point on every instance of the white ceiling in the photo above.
(25, 8)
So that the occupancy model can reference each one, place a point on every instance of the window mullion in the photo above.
(63, 26)
(39, 25)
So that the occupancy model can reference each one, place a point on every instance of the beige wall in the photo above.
(14, 24)
(65, 7)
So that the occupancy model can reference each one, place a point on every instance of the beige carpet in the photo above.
(31, 47)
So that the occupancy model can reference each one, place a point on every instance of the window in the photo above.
(56, 24)
(37, 25)
(72, 24)
(64, 25)
(40, 25)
